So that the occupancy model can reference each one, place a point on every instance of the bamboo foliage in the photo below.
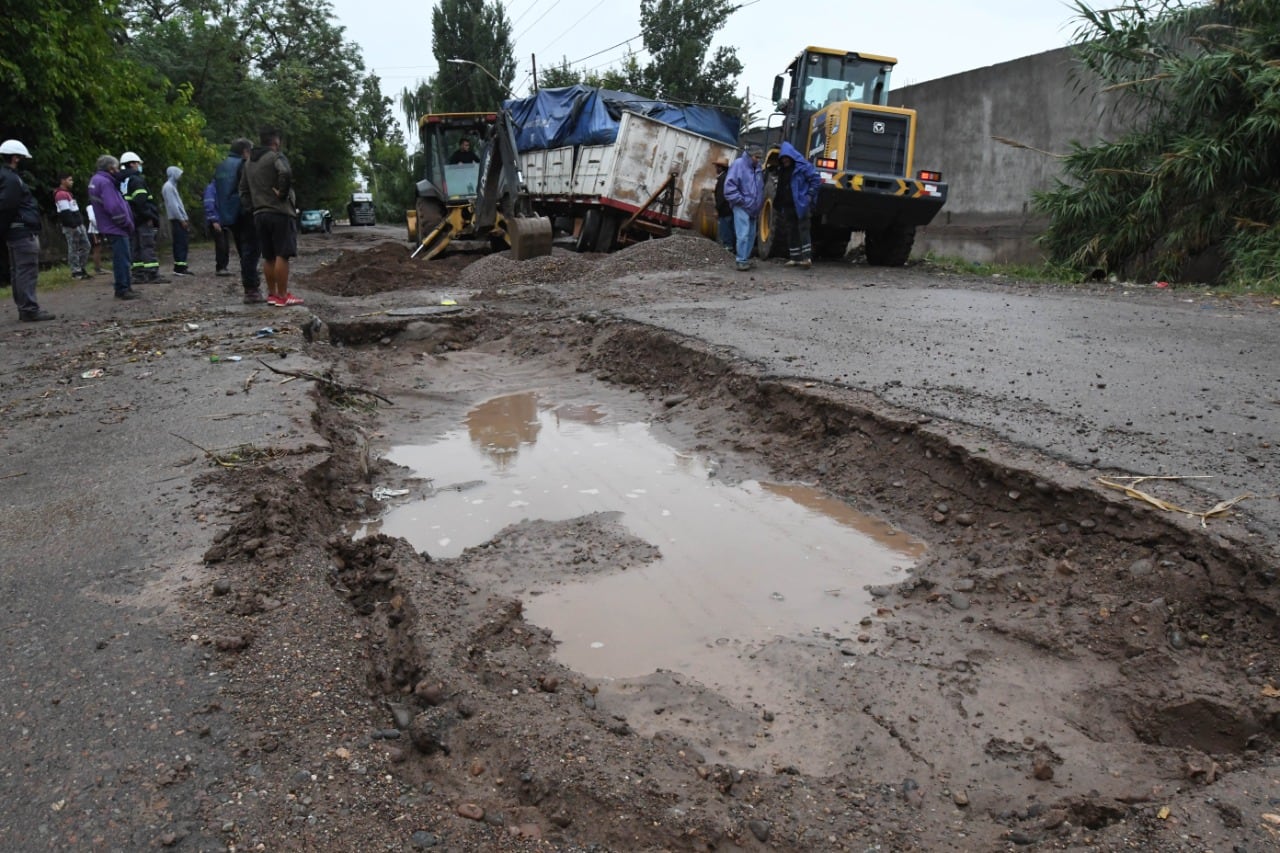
(1197, 174)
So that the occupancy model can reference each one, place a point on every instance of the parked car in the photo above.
(320, 221)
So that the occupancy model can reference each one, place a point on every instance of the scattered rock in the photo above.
(760, 829)
(470, 811)
(233, 643)
(424, 840)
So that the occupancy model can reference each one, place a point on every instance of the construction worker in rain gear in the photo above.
(146, 219)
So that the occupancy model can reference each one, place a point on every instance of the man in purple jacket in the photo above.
(744, 190)
(115, 222)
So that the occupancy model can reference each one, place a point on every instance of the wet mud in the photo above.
(1060, 667)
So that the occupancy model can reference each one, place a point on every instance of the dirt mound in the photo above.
(500, 270)
(386, 267)
(677, 252)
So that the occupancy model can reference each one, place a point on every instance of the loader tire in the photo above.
(770, 241)
(831, 243)
(890, 247)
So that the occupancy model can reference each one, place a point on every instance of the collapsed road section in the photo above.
(1047, 663)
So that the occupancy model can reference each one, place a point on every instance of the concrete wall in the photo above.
(1045, 101)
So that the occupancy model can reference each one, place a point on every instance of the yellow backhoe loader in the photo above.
(473, 190)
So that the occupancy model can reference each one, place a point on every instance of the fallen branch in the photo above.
(327, 382)
(249, 381)
(1129, 485)
(248, 454)
(1013, 143)
(11, 476)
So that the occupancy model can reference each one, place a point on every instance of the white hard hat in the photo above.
(13, 146)
(129, 157)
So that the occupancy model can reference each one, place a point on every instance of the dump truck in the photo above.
(608, 168)
(614, 168)
(834, 109)
(360, 210)
(473, 190)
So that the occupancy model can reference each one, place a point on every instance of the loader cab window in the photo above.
(829, 79)
(441, 146)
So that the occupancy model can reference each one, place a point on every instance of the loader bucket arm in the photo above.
(502, 192)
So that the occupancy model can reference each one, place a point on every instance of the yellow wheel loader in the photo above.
(834, 108)
(473, 192)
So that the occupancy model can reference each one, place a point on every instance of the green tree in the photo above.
(255, 63)
(414, 104)
(626, 77)
(68, 91)
(374, 120)
(479, 33)
(1197, 176)
(677, 34)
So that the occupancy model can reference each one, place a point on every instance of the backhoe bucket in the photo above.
(530, 236)
(435, 242)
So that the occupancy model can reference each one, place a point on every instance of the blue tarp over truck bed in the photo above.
(582, 115)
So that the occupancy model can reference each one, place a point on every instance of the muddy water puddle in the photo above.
(740, 563)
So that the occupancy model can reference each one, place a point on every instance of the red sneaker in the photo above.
(290, 299)
(275, 301)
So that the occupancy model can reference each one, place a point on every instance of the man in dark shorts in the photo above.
(266, 189)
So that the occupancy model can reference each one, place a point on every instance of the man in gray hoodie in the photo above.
(179, 222)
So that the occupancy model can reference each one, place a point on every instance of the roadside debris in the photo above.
(383, 493)
(1129, 485)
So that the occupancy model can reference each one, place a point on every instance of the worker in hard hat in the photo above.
(20, 224)
(146, 220)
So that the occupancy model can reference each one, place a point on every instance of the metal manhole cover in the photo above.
(425, 311)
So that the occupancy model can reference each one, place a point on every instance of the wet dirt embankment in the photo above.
(1062, 666)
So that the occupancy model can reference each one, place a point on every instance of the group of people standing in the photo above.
(249, 203)
(740, 196)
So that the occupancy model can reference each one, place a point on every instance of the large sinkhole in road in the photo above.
(740, 563)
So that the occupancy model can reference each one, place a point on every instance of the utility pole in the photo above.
(533, 60)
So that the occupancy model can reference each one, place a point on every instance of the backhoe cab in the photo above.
(477, 195)
(834, 108)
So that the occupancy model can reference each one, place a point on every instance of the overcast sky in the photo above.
(929, 38)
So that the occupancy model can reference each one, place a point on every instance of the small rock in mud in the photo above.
(958, 601)
(234, 643)
(960, 798)
(964, 585)
(1042, 769)
(548, 684)
(424, 840)
(760, 829)
(471, 811)
(221, 586)
(429, 729)
(432, 694)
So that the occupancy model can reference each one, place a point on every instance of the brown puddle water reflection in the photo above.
(741, 564)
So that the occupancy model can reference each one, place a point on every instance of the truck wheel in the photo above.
(890, 247)
(590, 232)
(429, 212)
(832, 243)
(610, 222)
